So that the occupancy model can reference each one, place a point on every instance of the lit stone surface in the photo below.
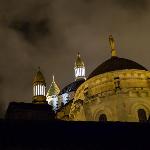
(52, 95)
(117, 90)
(118, 94)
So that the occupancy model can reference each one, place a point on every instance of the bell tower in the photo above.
(39, 87)
(79, 68)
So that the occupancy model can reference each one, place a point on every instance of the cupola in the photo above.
(39, 87)
(79, 68)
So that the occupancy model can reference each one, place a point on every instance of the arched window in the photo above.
(142, 115)
(102, 118)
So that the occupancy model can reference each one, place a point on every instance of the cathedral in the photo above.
(117, 90)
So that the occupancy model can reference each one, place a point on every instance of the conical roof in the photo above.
(54, 89)
(79, 62)
(39, 77)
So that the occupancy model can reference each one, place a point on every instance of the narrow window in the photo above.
(44, 91)
(142, 115)
(39, 89)
(102, 118)
(33, 90)
(36, 90)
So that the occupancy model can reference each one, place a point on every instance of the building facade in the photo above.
(117, 90)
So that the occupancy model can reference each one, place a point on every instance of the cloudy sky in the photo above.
(49, 33)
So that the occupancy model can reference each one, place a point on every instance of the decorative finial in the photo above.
(112, 46)
(78, 54)
(53, 78)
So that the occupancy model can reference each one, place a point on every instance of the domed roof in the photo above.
(72, 86)
(39, 77)
(116, 63)
(79, 62)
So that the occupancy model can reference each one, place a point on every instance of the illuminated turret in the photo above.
(52, 95)
(39, 86)
(79, 68)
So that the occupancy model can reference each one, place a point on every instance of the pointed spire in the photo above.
(39, 77)
(112, 46)
(53, 78)
(78, 54)
(54, 89)
(79, 62)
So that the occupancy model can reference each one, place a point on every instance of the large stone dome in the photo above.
(116, 63)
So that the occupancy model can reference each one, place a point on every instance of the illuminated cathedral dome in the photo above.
(116, 63)
(117, 90)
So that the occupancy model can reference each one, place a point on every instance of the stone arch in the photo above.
(103, 118)
(102, 111)
(139, 106)
(142, 115)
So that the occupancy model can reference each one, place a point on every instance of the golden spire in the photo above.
(112, 46)
(54, 89)
(79, 62)
(53, 78)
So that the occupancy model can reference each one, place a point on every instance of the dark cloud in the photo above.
(137, 6)
(50, 33)
(31, 30)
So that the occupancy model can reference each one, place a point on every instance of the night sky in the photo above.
(49, 33)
